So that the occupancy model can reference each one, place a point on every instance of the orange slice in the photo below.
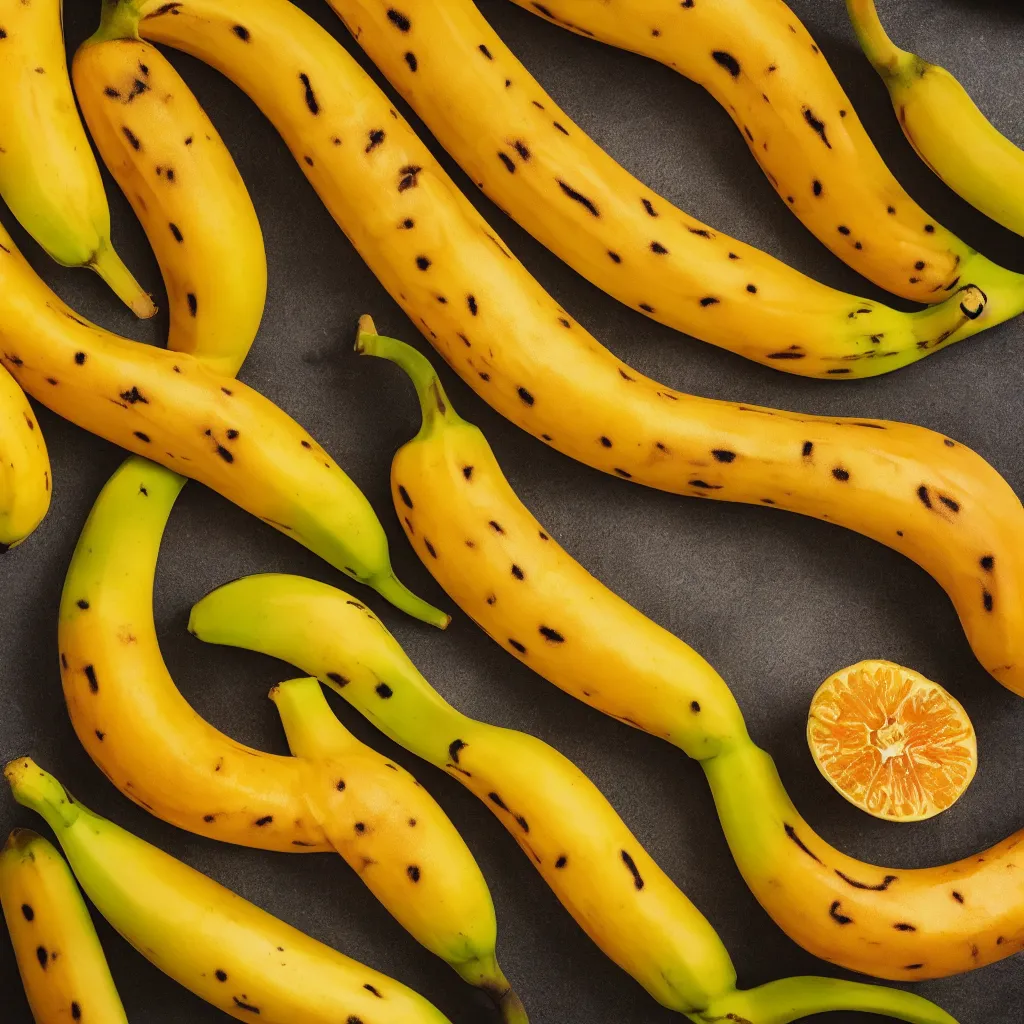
(893, 743)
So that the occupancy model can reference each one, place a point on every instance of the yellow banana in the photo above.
(572, 835)
(944, 125)
(544, 372)
(394, 834)
(48, 175)
(219, 946)
(761, 64)
(179, 177)
(151, 744)
(24, 466)
(170, 408)
(529, 157)
(924, 495)
(507, 573)
(62, 965)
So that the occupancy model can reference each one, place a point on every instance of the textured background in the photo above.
(775, 602)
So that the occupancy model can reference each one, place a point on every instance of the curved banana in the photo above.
(923, 495)
(128, 713)
(543, 170)
(572, 835)
(507, 573)
(398, 839)
(761, 64)
(179, 177)
(944, 125)
(170, 408)
(48, 175)
(223, 948)
(146, 738)
(459, 283)
(24, 466)
(62, 965)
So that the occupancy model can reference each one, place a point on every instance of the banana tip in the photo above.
(365, 326)
(973, 302)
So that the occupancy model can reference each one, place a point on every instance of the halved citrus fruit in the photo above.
(893, 743)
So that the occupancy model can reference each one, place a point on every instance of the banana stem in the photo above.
(108, 265)
(119, 19)
(395, 592)
(789, 999)
(485, 974)
(312, 728)
(41, 792)
(434, 402)
(886, 57)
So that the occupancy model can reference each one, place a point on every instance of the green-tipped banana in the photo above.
(48, 175)
(941, 121)
(62, 965)
(583, 850)
(395, 835)
(219, 946)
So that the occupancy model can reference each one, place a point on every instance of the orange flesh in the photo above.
(893, 743)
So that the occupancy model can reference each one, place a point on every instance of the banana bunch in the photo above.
(529, 157)
(523, 354)
(62, 965)
(227, 951)
(760, 63)
(48, 175)
(510, 575)
(574, 838)
(944, 125)
(170, 408)
(24, 466)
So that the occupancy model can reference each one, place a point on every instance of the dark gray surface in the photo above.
(774, 601)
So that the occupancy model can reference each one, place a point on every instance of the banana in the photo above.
(944, 125)
(545, 373)
(223, 948)
(24, 466)
(761, 64)
(48, 175)
(128, 713)
(542, 169)
(62, 965)
(179, 177)
(572, 835)
(918, 492)
(509, 574)
(170, 408)
(394, 834)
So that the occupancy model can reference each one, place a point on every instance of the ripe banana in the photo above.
(941, 121)
(224, 949)
(507, 573)
(542, 169)
(170, 408)
(48, 175)
(62, 965)
(761, 64)
(179, 177)
(458, 282)
(912, 489)
(580, 846)
(24, 466)
(397, 838)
